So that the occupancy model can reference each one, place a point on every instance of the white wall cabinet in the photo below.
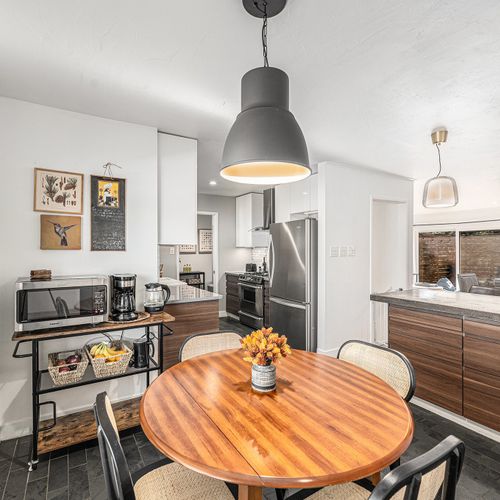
(296, 198)
(282, 203)
(177, 184)
(249, 214)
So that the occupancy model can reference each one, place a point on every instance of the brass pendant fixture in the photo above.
(440, 191)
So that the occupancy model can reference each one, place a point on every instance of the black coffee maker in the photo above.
(123, 297)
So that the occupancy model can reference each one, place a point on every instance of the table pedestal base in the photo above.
(249, 492)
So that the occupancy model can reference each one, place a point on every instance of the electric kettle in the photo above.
(156, 296)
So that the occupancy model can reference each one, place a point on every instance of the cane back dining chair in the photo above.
(389, 365)
(205, 343)
(163, 480)
(430, 476)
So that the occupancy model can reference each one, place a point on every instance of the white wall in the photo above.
(478, 200)
(345, 200)
(38, 136)
(231, 259)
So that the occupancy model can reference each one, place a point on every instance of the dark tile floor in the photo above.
(75, 473)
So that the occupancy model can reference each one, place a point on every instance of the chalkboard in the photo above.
(107, 223)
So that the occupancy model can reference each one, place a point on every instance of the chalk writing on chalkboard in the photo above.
(107, 224)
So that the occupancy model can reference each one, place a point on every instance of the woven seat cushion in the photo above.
(176, 482)
(346, 491)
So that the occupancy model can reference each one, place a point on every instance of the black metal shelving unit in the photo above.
(42, 383)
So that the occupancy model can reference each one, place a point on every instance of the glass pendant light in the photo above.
(265, 145)
(440, 191)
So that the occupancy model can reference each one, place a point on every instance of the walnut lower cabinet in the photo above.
(482, 373)
(456, 361)
(433, 344)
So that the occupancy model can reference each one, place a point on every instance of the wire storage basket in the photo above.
(67, 373)
(111, 365)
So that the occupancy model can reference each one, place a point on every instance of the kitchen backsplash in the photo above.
(258, 254)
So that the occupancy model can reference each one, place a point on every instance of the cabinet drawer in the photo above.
(231, 278)
(484, 330)
(435, 321)
(232, 289)
(482, 355)
(232, 304)
(426, 343)
(437, 382)
(482, 398)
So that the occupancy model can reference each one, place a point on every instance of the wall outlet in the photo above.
(334, 251)
(351, 251)
(343, 251)
(172, 251)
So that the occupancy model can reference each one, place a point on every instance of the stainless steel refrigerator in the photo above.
(293, 288)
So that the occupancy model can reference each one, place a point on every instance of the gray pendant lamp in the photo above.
(440, 191)
(265, 144)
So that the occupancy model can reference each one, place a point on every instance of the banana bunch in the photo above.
(104, 350)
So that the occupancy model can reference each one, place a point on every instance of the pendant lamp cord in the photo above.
(439, 158)
(264, 29)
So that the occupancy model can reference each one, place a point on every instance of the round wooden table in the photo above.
(328, 421)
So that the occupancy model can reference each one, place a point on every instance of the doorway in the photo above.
(209, 261)
(390, 258)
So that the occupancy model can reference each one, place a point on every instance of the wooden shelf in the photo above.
(80, 427)
(152, 320)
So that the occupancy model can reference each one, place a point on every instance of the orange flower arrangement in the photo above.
(264, 347)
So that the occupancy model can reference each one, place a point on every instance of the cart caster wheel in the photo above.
(32, 464)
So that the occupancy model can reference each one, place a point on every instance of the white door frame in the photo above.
(382, 308)
(215, 247)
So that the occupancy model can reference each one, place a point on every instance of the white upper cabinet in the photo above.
(249, 215)
(282, 203)
(177, 185)
(296, 198)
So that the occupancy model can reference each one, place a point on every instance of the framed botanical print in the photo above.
(204, 241)
(58, 192)
(187, 248)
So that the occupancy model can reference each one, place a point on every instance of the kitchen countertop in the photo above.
(468, 305)
(182, 293)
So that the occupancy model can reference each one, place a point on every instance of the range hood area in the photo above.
(268, 211)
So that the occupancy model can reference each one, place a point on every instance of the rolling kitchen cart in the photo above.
(79, 427)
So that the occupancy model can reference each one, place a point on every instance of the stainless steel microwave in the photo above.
(59, 302)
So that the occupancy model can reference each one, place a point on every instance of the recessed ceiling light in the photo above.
(213, 183)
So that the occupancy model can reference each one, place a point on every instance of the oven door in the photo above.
(251, 299)
(52, 307)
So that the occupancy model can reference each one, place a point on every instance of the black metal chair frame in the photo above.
(409, 475)
(451, 450)
(119, 481)
(406, 361)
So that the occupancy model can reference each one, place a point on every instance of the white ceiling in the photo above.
(369, 79)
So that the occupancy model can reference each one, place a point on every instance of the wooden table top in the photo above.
(328, 421)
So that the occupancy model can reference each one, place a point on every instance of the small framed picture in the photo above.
(204, 240)
(58, 192)
(60, 232)
(187, 248)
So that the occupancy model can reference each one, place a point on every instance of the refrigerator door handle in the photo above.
(270, 252)
(287, 303)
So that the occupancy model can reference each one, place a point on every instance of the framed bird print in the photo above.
(60, 232)
(58, 192)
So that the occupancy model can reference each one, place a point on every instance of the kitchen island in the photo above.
(195, 311)
(453, 341)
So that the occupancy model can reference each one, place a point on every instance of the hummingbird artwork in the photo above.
(61, 232)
